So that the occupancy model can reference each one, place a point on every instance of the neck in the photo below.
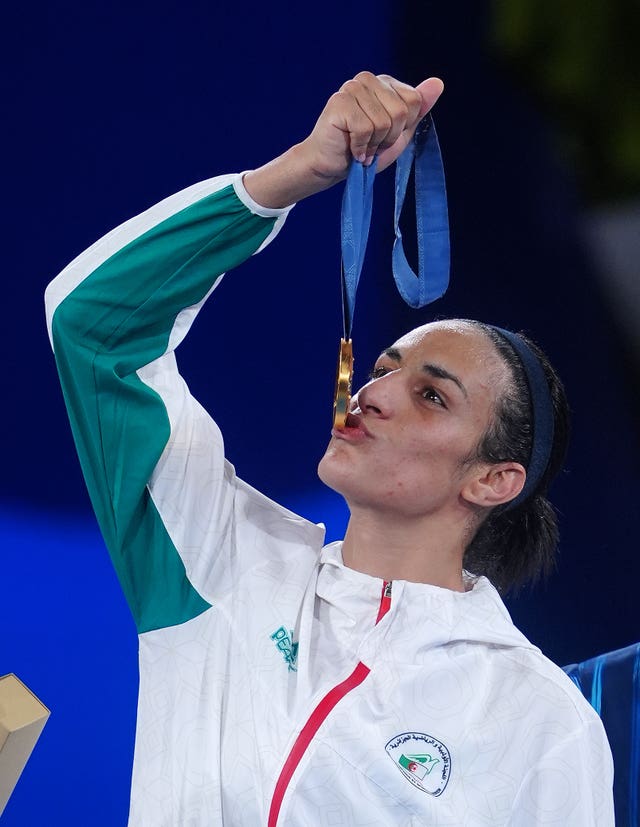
(396, 547)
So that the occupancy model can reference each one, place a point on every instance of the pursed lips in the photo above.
(354, 429)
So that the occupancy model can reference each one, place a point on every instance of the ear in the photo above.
(492, 485)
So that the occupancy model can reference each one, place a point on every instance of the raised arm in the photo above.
(152, 458)
(115, 316)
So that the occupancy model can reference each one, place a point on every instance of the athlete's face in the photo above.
(418, 420)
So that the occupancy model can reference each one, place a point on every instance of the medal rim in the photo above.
(344, 378)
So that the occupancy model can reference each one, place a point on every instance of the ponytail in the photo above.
(514, 547)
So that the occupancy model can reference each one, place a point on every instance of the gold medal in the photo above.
(343, 384)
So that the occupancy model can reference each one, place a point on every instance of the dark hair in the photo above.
(518, 545)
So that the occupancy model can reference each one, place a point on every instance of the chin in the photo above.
(340, 477)
(326, 473)
(335, 473)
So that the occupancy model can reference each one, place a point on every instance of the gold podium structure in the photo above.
(22, 719)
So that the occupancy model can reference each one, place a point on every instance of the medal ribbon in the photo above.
(432, 235)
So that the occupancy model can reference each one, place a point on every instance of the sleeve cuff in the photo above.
(253, 206)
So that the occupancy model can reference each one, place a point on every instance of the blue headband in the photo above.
(542, 410)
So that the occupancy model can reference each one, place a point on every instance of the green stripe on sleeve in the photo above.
(116, 321)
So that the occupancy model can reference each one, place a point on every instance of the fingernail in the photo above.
(369, 160)
(361, 157)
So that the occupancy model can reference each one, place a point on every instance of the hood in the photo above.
(421, 616)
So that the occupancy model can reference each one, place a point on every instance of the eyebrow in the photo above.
(437, 371)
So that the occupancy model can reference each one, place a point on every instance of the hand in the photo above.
(370, 115)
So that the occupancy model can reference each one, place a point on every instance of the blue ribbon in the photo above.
(432, 224)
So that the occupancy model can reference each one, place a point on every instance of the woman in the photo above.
(282, 683)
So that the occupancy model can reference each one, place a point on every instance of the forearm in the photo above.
(114, 315)
(159, 262)
(289, 178)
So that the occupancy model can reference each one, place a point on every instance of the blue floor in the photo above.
(67, 634)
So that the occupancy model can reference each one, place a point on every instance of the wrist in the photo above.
(292, 176)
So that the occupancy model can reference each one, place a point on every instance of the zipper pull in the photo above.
(385, 600)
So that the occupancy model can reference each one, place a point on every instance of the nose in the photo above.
(377, 397)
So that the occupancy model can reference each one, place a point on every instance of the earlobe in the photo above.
(495, 484)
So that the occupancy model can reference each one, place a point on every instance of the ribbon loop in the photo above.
(432, 224)
(432, 220)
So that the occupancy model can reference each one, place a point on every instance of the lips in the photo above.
(354, 429)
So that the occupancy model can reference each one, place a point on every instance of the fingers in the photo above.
(379, 110)
(377, 113)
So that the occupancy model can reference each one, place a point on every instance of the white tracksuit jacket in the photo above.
(269, 694)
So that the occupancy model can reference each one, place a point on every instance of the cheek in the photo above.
(443, 440)
(416, 484)
(439, 460)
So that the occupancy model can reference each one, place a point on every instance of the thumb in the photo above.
(430, 90)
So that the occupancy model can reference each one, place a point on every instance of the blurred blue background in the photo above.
(111, 107)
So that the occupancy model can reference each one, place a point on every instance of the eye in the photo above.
(431, 395)
(377, 372)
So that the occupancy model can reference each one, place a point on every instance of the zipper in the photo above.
(319, 716)
(385, 600)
